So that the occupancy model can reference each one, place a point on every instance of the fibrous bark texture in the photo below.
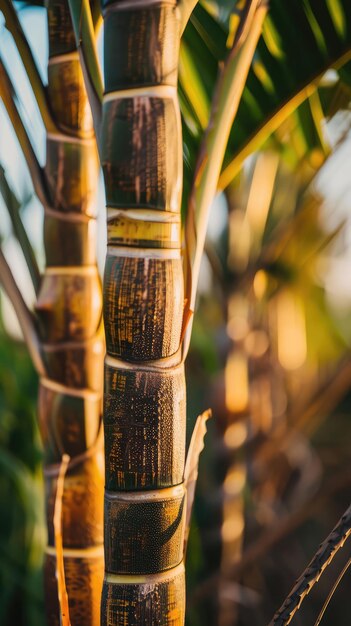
(144, 399)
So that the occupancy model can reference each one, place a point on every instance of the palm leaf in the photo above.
(300, 42)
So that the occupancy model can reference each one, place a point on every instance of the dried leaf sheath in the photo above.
(144, 400)
(69, 312)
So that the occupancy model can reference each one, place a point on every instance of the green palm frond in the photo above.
(301, 40)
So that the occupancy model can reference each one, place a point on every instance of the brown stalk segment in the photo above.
(144, 428)
(69, 242)
(151, 603)
(153, 59)
(69, 312)
(71, 170)
(83, 580)
(73, 430)
(77, 363)
(143, 306)
(81, 518)
(67, 93)
(142, 177)
(79, 314)
(144, 401)
(145, 535)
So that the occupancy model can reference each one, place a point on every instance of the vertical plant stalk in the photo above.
(144, 398)
(248, 372)
(69, 309)
(233, 511)
(237, 411)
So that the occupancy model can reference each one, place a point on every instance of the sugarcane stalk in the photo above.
(144, 398)
(69, 313)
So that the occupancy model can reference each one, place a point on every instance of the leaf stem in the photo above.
(13, 206)
(24, 315)
(186, 8)
(85, 40)
(310, 576)
(332, 591)
(13, 25)
(229, 88)
(60, 567)
(8, 95)
(270, 125)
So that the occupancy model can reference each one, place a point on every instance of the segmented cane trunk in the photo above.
(144, 402)
(69, 311)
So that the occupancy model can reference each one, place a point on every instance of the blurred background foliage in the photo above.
(270, 348)
(22, 528)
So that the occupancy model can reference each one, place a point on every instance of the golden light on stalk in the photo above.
(234, 481)
(236, 382)
(256, 343)
(291, 330)
(233, 527)
(261, 404)
(239, 241)
(261, 191)
(260, 284)
(235, 435)
(237, 326)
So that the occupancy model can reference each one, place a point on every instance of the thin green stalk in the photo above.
(24, 316)
(85, 38)
(226, 101)
(13, 206)
(7, 94)
(13, 25)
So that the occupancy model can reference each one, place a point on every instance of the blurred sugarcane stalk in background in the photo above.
(269, 283)
(69, 309)
(247, 392)
(68, 312)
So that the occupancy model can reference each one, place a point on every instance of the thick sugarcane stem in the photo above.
(144, 399)
(69, 309)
